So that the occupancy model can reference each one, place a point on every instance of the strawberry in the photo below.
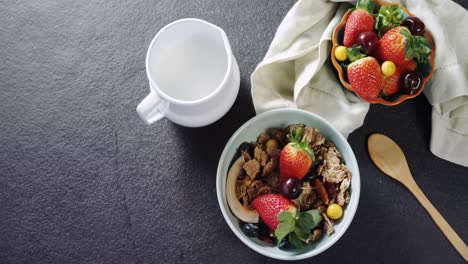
(408, 66)
(268, 207)
(283, 217)
(391, 84)
(399, 46)
(365, 78)
(359, 21)
(296, 158)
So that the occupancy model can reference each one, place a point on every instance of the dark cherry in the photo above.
(368, 41)
(415, 25)
(291, 187)
(411, 82)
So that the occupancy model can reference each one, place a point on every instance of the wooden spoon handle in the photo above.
(448, 231)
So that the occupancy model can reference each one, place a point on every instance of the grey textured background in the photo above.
(83, 180)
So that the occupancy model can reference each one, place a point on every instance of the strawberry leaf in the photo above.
(299, 143)
(425, 41)
(416, 47)
(354, 53)
(382, 31)
(426, 49)
(298, 135)
(295, 136)
(367, 5)
(388, 17)
(409, 54)
(405, 32)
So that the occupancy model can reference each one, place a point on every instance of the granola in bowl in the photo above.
(231, 164)
(289, 186)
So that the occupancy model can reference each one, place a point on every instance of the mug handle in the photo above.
(149, 110)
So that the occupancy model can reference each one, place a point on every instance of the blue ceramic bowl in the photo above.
(249, 132)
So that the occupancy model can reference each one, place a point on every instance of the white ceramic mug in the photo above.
(193, 75)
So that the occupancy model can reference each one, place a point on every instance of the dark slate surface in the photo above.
(83, 180)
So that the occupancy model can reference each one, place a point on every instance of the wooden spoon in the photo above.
(389, 158)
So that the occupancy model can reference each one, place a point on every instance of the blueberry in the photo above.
(263, 230)
(242, 174)
(250, 230)
(312, 174)
(282, 245)
(246, 146)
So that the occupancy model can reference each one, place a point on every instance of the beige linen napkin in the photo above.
(295, 72)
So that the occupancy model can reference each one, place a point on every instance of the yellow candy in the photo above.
(340, 53)
(334, 211)
(388, 68)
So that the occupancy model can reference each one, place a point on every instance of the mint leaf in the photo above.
(316, 216)
(285, 216)
(283, 229)
(305, 221)
(302, 234)
(295, 241)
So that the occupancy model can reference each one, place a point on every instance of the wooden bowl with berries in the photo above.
(382, 52)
